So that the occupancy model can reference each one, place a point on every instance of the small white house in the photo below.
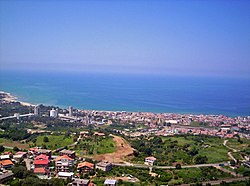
(150, 160)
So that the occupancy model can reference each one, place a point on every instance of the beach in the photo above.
(7, 97)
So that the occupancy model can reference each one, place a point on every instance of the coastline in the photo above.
(8, 97)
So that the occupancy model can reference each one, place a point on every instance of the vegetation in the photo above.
(95, 145)
(52, 141)
(181, 149)
(163, 177)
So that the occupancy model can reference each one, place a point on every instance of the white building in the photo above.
(36, 110)
(70, 111)
(53, 113)
(150, 160)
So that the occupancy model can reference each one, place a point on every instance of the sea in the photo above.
(131, 92)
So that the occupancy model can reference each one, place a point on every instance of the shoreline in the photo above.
(10, 98)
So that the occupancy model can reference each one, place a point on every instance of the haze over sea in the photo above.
(126, 92)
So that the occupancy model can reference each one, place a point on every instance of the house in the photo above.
(5, 157)
(80, 182)
(109, 182)
(99, 134)
(65, 175)
(6, 177)
(84, 134)
(104, 166)
(85, 167)
(63, 163)
(35, 151)
(150, 160)
(20, 155)
(44, 152)
(41, 164)
(71, 154)
(6, 164)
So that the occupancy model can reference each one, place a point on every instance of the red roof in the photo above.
(87, 164)
(63, 157)
(42, 157)
(40, 170)
(6, 162)
(41, 160)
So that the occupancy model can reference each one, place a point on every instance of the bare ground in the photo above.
(123, 149)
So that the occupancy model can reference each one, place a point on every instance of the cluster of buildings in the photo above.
(45, 165)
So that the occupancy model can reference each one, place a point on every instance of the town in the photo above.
(101, 147)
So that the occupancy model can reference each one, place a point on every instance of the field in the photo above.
(163, 177)
(54, 141)
(93, 145)
(122, 150)
(10, 143)
(182, 149)
(238, 145)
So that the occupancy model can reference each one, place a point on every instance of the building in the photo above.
(104, 166)
(6, 164)
(150, 160)
(36, 152)
(41, 164)
(65, 175)
(53, 113)
(6, 177)
(20, 155)
(80, 182)
(63, 163)
(85, 167)
(17, 115)
(36, 110)
(109, 182)
(84, 134)
(70, 111)
(69, 153)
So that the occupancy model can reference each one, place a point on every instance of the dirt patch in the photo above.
(123, 149)
(15, 144)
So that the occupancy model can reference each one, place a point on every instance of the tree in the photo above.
(1, 148)
(45, 139)
(200, 159)
(16, 149)
(178, 166)
(232, 162)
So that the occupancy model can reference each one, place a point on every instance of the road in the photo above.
(217, 182)
(168, 167)
(28, 165)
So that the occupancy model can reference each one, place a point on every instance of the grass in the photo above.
(193, 175)
(215, 153)
(11, 143)
(233, 143)
(55, 141)
(99, 145)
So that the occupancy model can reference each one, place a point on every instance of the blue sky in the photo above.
(155, 37)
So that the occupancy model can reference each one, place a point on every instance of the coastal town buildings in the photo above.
(69, 153)
(64, 163)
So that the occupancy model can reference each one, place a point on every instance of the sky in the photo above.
(154, 37)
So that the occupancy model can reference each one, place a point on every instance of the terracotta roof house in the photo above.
(69, 153)
(41, 164)
(6, 164)
(63, 163)
(85, 167)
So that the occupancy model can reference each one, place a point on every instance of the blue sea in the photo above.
(175, 94)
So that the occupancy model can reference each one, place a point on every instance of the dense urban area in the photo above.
(48, 145)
